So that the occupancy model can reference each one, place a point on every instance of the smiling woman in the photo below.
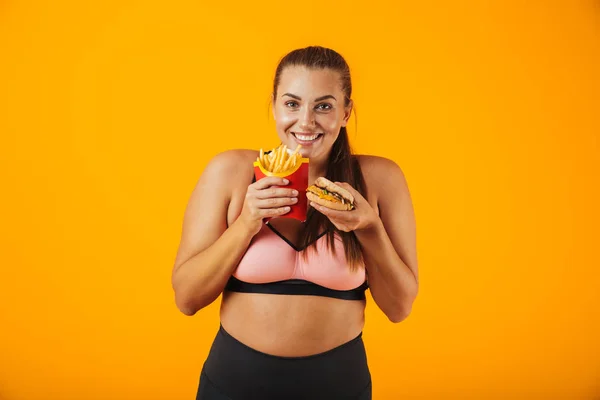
(307, 138)
(294, 292)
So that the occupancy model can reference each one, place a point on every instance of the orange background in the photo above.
(109, 110)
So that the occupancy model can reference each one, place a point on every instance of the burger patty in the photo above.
(324, 194)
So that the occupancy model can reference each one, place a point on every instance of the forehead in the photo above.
(308, 83)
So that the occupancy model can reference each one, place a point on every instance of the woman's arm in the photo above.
(209, 251)
(387, 238)
(389, 244)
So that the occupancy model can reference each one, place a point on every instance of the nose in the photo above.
(307, 119)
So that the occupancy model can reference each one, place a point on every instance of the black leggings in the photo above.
(234, 371)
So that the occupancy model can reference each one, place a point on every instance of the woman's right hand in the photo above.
(265, 201)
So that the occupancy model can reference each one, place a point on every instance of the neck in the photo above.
(316, 169)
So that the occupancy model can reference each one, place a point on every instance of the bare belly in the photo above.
(291, 326)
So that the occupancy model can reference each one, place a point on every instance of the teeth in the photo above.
(307, 138)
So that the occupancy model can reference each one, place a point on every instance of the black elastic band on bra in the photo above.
(295, 287)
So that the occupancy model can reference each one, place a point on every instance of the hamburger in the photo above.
(328, 194)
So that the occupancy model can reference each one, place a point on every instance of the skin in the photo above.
(308, 102)
(225, 211)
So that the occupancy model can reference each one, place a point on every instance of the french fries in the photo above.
(279, 160)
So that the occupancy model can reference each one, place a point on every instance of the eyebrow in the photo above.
(317, 99)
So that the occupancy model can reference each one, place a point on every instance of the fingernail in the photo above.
(287, 209)
(295, 199)
(294, 193)
(285, 181)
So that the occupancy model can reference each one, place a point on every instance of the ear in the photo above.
(347, 113)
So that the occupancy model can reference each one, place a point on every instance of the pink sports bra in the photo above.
(273, 264)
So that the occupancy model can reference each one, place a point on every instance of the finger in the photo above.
(275, 192)
(273, 212)
(268, 181)
(275, 202)
(342, 227)
(330, 213)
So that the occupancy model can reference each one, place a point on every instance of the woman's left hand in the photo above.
(360, 218)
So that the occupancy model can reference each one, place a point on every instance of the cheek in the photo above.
(330, 123)
(284, 120)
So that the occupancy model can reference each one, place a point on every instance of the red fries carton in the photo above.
(296, 172)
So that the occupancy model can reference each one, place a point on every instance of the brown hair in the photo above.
(342, 165)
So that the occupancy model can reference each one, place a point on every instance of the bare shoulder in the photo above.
(231, 160)
(371, 162)
(206, 213)
(235, 165)
(381, 174)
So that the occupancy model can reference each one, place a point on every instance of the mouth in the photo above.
(306, 138)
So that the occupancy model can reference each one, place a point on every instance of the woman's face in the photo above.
(309, 110)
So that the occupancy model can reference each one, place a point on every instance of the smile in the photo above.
(306, 137)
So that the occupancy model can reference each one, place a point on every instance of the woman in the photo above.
(297, 338)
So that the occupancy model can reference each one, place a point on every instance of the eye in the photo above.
(324, 107)
(291, 104)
